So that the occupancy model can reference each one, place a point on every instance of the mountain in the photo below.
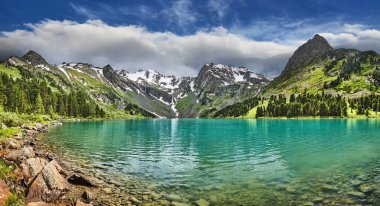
(217, 91)
(34, 58)
(311, 49)
(342, 81)
(316, 66)
(213, 88)
(147, 91)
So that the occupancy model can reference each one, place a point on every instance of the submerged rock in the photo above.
(356, 194)
(318, 200)
(366, 188)
(356, 183)
(84, 180)
(179, 204)
(202, 202)
(164, 202)
(174, 197)
(329, 188)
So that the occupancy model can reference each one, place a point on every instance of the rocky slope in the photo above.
(215, 87)
(311, 49)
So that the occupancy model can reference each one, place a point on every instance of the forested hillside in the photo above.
(317, 82)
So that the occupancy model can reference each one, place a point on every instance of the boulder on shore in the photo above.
(32, 167)
(23, 153)
(49, 184)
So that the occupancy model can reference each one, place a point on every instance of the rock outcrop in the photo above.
(312, 48)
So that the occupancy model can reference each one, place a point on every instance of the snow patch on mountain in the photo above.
(63, 71)
(152, 77)
(44, 67)
(238, 77)
(99, 73)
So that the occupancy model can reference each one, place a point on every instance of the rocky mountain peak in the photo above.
(312, 48)
(227, 75)
(34, 58)
(108, 68)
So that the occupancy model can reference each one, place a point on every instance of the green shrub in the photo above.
(14, 200)
(4, 170)
(8, 133)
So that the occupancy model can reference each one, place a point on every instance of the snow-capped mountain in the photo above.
(153, 78)
(215, 87)
(185, 95)
(228, 75)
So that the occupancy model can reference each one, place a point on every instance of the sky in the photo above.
(180, 36)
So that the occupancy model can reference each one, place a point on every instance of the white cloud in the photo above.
(135, 48)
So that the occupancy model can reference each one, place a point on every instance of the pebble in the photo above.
(366, 188)
(164, 202)
(356, 183)
(329, 188)
(174, 197)
(356, 194)
(318, 199)
(134, 199)
(202, 202)
(179, 204)
(213, 198)
(155, 196)
(107, 190)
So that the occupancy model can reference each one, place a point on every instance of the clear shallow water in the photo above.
(240, 162)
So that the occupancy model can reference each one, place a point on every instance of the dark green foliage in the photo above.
(349, 66)
(239, 108)
(306, 105)
(36, 95)
(364, 104)
(259, 112)
(376, 77)
(133, 109)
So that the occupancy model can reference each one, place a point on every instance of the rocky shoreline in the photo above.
(42, 179)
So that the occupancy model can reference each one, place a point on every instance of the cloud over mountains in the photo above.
(135, 47)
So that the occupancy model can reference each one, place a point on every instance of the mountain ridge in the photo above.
(155, 93)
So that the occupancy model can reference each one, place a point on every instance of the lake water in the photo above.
(232, 162)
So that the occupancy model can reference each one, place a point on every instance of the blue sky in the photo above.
(184, 17)
(276, 26)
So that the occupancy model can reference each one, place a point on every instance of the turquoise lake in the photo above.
(232, 162)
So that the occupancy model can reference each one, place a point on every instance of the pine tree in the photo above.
(39, 105)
